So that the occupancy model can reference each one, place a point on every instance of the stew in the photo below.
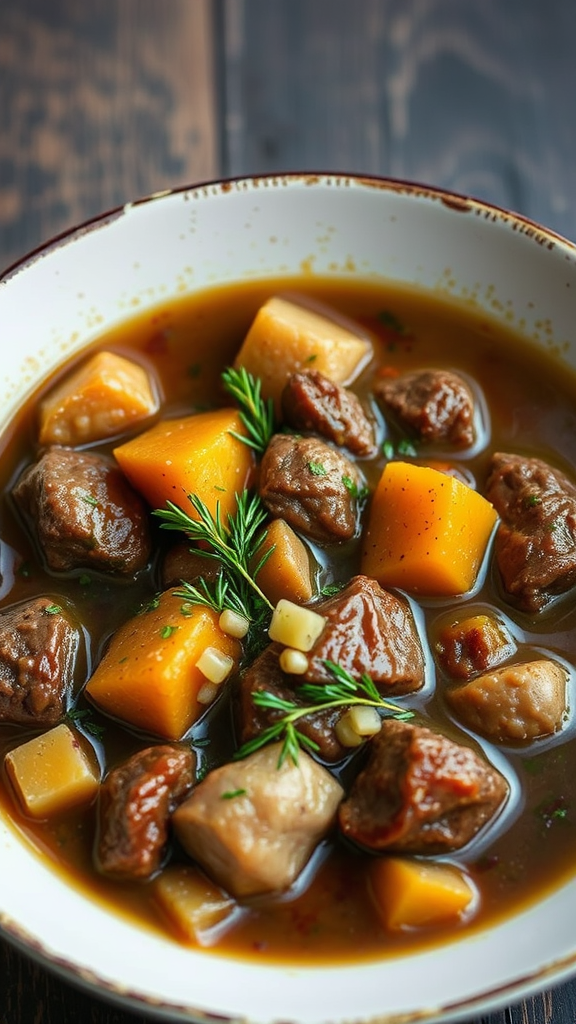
(287, 621)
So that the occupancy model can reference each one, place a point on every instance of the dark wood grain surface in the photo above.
(107, 101)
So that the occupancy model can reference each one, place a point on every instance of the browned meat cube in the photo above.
(265, 674)
(473, 645)
(182, 562)
(38, 647)
(369, 630)
(310, 401)
(535, 545)
(436, 405)
(253, 825)
(312, 486)
(420, 793)
(514, 704)
(84, 512)
(134, 807)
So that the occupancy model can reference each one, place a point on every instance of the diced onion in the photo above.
(215, 665)
(345, 734)
(295, 663)
(364, 720)
(207, 693)
(295, 626)
(234, 624)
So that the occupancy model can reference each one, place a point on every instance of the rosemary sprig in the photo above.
(256, 414)
(345, 691)
(234, 545)
(217, 594)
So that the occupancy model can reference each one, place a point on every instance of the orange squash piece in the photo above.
(427, 532)
(193, 455)
(286, 571)
(148, 676)
(105, 396)
(413, 894)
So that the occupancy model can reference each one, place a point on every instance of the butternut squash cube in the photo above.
(427, 532)
(105, 396)
(193, 455)
(149, 675)
(414, 894)
(193, 905)
(53, 772)
(286, 571)
(285, 337)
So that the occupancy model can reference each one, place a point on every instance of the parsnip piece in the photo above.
(285, 337)
(413, 894)
(105, 396)
(52, 772)
(295, 626)
(196, 907)
(286, 571)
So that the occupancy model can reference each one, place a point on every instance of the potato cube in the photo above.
(53, 772)
(149, 676)
(105, 396)
(295, 626)
(414, 894)
(285, 337)
(196, 908)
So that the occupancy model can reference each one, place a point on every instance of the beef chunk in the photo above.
(472, 645)
(253, 824)
(514, 704)
(420, 793)
(369, 630)
(84, 512)
(134, 807)
(535, 546)
(310, 401)
(38, 647)
(265, 674)
(436, 405)
(312, 486)
(182, 562)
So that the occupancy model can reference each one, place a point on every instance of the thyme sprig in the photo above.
(233, 545)
(344, 691)
(256, 414)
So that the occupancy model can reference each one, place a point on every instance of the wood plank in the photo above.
(478, 98)
(99, 104)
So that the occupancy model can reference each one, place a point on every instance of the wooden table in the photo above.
(102, 102)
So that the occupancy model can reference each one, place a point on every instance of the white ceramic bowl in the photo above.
(56, 300)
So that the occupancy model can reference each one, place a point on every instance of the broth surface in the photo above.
(530, 408)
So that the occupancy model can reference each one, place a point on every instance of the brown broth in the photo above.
(532, 401)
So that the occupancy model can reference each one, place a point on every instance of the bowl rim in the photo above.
(455, 200)
(486, 1001)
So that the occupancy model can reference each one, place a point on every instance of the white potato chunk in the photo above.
(253, 825)
(53, 772)
(105, 396)
(516, 703)
(286, 337)
(296, 626)
(197, 909)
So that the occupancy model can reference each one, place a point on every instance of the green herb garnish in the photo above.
(344, 691)
(231, 794)
(84, 719)
(235, 546)
(317, 468)
(256, 414)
